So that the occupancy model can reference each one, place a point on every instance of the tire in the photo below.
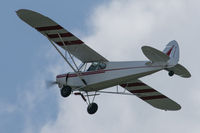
(171, 73)
(65, 91)
(92, 108)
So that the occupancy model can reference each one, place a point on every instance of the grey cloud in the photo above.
(119, 29)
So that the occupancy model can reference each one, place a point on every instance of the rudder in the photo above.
(172, 50)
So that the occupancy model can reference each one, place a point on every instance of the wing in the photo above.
(150, 95)
(49, 28)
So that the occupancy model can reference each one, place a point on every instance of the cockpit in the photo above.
(97, 66)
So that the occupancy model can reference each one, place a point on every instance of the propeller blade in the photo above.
(50, 84)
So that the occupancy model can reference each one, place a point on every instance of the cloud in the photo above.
(118, 30)
(6, 108)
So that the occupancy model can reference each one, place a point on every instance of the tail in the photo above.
(172, 50)
(168, 58)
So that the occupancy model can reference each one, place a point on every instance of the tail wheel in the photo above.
(92, 108)
(65, 91)
(171, 73)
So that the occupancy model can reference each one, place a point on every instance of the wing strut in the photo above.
(68, 51)
(78, 74)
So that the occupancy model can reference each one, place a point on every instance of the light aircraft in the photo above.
(97, 73)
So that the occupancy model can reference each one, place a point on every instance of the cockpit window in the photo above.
(102, 65)
(96, 66)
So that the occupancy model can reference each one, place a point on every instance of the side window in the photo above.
(97, 66)
(102, 65)
(93, 67)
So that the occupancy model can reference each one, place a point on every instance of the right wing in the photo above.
(49, 28)
(150, 95)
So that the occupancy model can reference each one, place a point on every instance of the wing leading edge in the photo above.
(55, 32)
(151, 96)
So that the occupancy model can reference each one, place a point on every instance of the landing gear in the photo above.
(171, 73)
(92, 108)
(65, 91)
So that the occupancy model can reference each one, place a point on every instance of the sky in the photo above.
(117, 29)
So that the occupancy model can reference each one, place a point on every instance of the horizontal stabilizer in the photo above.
(154, 55)
(180, 70)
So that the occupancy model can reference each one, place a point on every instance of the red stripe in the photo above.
(69, 42)
(82, 74)
(56, 27)
(143, 91)
(96, 72)
(61, 76)
(153, 97)
(133, 84)
(87, 73)
(61, 34)
(169, 52)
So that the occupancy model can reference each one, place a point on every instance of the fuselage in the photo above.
(115, 73)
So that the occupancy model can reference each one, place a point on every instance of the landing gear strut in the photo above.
(171, 73)
(92, 106)
(65, 91)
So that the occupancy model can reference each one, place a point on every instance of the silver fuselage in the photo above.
(115, 73)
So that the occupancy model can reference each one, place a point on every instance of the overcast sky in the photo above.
(117, 29)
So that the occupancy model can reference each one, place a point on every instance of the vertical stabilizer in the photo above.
(172, 50)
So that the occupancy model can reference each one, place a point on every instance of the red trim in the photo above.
(133, 84)
(70, 42)
(129, 68)
(153, 97)
(81, 74)
(99, 71)
(169, 52)
(143, 91)
(68, 34)
(56, 27)
(61, 76)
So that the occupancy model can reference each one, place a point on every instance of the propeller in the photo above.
(50, 83)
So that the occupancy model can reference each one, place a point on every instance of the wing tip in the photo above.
(25, 12)
(174, 108)
(20, 11)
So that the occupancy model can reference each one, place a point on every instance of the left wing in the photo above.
(150, 95)
(58, 34)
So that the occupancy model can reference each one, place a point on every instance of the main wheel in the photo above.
(92, 108)
(66, 91)
(171, 73)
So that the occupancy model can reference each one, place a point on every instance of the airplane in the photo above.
(96, 73)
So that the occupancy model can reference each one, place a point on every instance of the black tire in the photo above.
(65, 91)
(92, 108)
(171, 73)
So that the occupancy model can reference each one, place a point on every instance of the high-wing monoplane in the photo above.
(96, 73)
